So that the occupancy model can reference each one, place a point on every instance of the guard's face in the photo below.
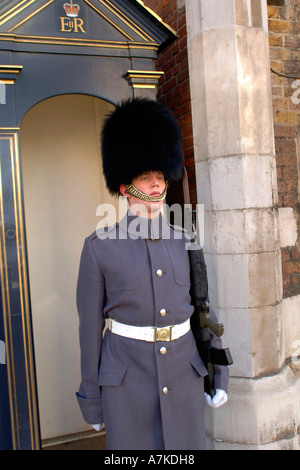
(151, 183)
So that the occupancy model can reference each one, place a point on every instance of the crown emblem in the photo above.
(71, 9)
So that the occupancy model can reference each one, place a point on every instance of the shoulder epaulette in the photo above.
(102, 232)
(178, 228)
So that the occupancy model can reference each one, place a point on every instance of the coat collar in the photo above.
(139, 227)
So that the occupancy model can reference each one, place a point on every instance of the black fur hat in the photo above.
(140, 135)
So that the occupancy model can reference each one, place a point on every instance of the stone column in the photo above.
(236, 182)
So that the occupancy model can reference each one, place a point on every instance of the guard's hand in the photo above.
(219, 399)
(97, 427)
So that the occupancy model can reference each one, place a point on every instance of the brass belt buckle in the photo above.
(162, 334)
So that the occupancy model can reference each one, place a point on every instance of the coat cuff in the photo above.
(91, 409)
(221, 377)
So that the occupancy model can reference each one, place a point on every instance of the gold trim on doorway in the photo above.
(31, 15)
(11, 68)
(15, 10)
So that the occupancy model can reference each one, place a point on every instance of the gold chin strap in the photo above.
(133, 191)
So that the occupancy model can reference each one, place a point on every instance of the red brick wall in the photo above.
(284, 29)
(174, 88)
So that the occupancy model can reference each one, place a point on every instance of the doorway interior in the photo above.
(63, 186)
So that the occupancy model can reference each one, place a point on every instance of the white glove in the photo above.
(218, 400)
(97, 427)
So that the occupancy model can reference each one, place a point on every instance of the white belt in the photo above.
(149, 333)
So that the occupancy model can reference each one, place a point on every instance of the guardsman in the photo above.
(144, 378)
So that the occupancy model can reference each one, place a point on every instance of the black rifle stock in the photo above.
(202, 323)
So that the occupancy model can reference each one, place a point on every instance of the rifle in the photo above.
(202, 322)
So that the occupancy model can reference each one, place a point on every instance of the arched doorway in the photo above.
(63, 185)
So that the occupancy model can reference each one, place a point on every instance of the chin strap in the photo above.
(133, 191)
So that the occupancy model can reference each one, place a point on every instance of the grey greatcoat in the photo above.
(148, 398)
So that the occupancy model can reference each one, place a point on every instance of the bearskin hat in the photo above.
(140, 135)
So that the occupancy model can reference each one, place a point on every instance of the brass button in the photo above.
(159, 273)
(163, 312)
(165, 390)
(163, 350)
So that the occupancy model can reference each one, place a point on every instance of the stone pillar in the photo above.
(236, 182)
